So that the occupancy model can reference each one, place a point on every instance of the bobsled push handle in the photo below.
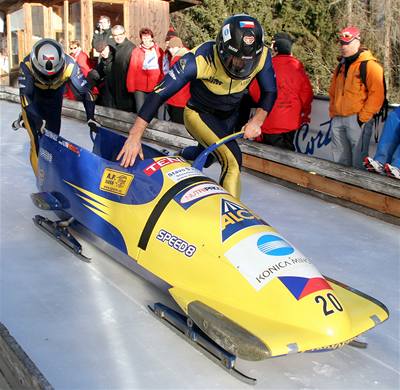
(201, 159)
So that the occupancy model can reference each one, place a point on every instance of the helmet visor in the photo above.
(239, 68)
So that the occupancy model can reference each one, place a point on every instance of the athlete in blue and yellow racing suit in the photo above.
(219, 72)
(43, 75)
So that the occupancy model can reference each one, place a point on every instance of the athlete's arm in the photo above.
(184, 71)
(81, 89)
(266, 81)
(26, 91)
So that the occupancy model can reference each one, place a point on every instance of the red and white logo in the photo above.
(248, 39)
(163, 162)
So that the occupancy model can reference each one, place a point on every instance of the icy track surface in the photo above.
(86, 326)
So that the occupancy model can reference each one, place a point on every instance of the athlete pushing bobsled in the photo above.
(43, 75)
(219, 73)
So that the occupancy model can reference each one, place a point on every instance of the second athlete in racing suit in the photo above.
(219, 72)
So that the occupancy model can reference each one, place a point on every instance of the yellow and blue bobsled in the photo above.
(246, 291)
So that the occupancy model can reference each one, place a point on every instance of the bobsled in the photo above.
(244, 290)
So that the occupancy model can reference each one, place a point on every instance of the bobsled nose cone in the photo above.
(226, 333)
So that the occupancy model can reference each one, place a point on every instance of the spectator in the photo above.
(387, 156)
(353, 103)
(103, 32)
(101, 75)
(122, 99)
(220, 72)
(167, 55)
(145, 67)
(292, 107)
(177, 103)
(82, 59)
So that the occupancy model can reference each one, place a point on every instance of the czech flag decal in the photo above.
(301, 287)
(246, 24)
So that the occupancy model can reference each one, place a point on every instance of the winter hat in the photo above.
(100, 46)
(348, 34)
(283, 43)
(175, 42)
(171, 33)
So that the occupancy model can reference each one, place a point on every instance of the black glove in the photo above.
(359, 122)
(93, 125)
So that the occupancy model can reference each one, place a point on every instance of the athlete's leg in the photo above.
(207, 129)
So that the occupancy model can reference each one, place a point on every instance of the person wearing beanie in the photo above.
(177, 103)
(292, 107)
(353, 102)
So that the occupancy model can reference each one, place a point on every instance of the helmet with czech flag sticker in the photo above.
(240, 43)
(48, 60)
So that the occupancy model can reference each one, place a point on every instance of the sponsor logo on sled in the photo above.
(235, 218)
(260, 262)
(183, 173)
(176, 243)
(191, 196)
(274, 246)
(163, 162)
(46, 155)
(116, 182)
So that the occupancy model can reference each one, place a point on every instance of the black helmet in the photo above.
(240, 44)
(47, 59)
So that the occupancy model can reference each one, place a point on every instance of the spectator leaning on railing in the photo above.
(292, 107)
(387, 156)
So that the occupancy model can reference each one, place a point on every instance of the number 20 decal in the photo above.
(327, 308)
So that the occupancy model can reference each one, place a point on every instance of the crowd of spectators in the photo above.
(123, 74)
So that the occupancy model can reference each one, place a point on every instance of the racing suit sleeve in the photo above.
(267, 83)
(26, 91)
(81, 89)
(184, 71)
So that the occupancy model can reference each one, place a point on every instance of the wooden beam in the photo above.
(86, 25)
(9, 41)
(65, 24)
(23, 51)
(376, 201)
(47, 22)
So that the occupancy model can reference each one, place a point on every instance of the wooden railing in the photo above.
(374, 194)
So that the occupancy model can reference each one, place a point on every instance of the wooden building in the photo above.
(65, 20)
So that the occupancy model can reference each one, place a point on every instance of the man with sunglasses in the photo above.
(353, 103)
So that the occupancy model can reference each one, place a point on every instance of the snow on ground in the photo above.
(86, 326)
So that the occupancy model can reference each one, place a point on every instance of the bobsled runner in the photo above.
(243, 289)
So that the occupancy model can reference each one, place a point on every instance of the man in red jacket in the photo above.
(145, 67)
(292, 107)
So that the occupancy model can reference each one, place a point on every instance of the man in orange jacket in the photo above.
(353, 103)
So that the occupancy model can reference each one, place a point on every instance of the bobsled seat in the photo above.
(108, 144)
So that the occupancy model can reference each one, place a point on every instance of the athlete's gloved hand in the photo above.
(93, 125)
(42, 127)
(18, 123)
